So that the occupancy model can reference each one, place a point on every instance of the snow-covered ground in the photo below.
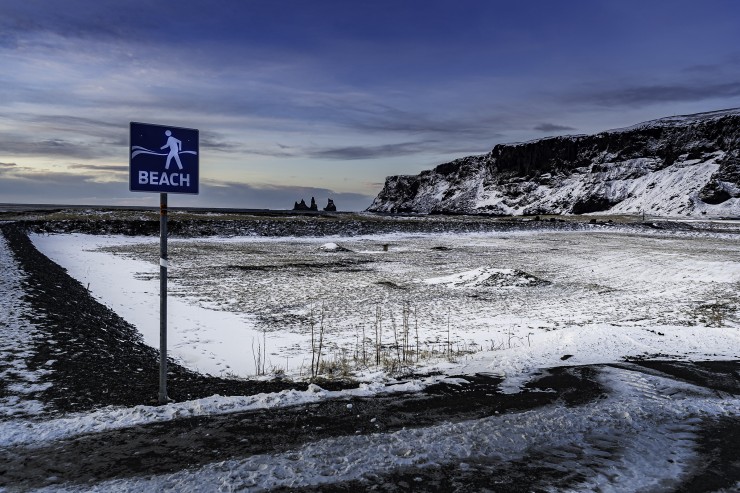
(503, 303)
(510, 304)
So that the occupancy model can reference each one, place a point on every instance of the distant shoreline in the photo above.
(226, 210)
(620, 218)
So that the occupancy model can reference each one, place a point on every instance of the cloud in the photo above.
(660, 93)
(100, 167)
(551, 127)
(242, 195)
(55, 148)
(27, 134)
(67, 122)
(211, 140)
(467, 126)
(358, 152)
(101, 20)
(26, 185)
(368, 152)
(7, 165)
(268, 153)
(730, 61)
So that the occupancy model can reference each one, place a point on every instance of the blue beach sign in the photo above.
(163, 159)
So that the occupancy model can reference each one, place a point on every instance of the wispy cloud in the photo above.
(65, 122)
(27, 185)
(551, 127)
(55, 148)
(660, 93)
(100, 21)
(279, 197)
(368, 152)
(727, 64)
(212, 140)
(360, 152)
(59, 135)
(100, 167)
(269, 152)
(392, 119)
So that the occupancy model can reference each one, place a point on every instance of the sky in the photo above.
(326, 98)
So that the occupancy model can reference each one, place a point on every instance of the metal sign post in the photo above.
(154, 148)
(162, 298)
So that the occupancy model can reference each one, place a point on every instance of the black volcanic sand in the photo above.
(342, 224)
(100, 360)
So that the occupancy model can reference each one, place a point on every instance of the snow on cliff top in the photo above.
(669, 121)
(680, 120)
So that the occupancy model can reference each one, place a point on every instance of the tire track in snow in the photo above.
(170, 446)
(641, 437)
(643, 448)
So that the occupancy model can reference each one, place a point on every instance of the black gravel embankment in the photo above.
(350, 225)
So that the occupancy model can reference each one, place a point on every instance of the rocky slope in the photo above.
(684, 165)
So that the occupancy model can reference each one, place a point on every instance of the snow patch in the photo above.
(485, 276)
(16, 344)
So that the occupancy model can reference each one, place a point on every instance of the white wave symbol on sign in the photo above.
(143, 150)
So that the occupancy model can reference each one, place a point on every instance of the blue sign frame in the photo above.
(163, 159)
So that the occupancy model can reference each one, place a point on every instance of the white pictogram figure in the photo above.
(175, 147)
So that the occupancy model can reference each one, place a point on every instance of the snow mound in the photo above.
(332, 247)
(487, 276)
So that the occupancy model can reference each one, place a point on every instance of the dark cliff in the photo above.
(672, 166)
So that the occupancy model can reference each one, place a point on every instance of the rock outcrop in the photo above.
(301, 206)
(330, 207)
(673, 166)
